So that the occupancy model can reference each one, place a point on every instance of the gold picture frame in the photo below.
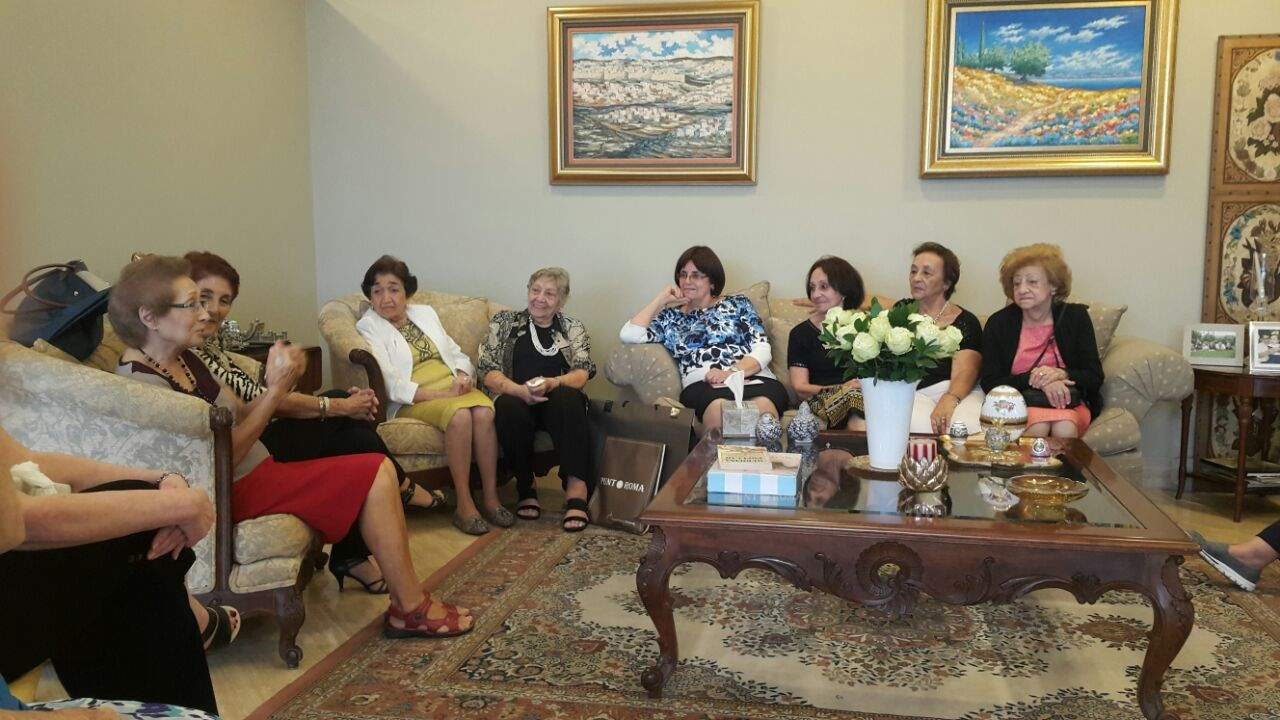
(653, 94)
(1102, 105)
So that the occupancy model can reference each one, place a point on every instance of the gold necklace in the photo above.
(941, 312)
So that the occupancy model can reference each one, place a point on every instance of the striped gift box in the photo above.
(761, 501)
(779, 481)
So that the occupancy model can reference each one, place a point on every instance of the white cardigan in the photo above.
(395, 358)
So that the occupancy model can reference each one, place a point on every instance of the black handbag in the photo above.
(62, 304)
(1035, 397)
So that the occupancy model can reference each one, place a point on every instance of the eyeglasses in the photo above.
(695, 275)
(186, 305)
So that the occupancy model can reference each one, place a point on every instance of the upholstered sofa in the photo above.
(417, 446)
(1139, 373)
(49, 402)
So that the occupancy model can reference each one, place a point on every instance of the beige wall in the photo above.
(160, 126)
(429, 140)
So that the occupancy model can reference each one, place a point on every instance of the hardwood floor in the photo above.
(249, 672)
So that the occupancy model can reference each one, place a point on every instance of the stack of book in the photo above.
(753, 477)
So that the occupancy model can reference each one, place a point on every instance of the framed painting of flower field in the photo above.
(653, 94)
(1048, 87)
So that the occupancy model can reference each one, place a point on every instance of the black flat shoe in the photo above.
(579, 522)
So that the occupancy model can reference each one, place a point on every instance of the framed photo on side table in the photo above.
(1213, 344)
(653, 94)
(1264, 347)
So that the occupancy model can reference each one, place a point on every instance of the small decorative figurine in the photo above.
(804, 426)
(1040, 448)
(958, 430)
(997, 437)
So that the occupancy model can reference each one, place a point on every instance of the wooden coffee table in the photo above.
(849, 538)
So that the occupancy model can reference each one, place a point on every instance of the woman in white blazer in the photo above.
(429, 378)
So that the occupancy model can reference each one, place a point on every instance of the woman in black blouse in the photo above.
(949, 391)
(831, 283)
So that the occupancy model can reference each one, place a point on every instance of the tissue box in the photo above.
(739, 422)
(753, 500)
(777, 481)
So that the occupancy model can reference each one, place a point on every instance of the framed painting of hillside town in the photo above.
(653, 94)
(1048, 87)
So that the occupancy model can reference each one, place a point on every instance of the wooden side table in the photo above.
(312, 378)
(1243, 388)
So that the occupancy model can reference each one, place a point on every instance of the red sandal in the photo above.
(418, 625)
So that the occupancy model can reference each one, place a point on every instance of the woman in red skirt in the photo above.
(353, 501)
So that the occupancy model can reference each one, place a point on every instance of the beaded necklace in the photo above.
(173, 381)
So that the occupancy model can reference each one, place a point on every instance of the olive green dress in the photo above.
(430, 372)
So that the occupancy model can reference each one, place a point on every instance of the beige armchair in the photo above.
(49, 402)
(417, 446)
(1139, 373)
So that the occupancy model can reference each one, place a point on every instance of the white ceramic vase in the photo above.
(887, 405)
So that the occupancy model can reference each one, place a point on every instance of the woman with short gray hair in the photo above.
(534, 364)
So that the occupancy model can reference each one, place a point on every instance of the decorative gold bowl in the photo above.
(1046, 489)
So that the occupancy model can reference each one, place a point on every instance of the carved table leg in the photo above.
(652, 581)
(291, 612)
(1244, 412)
(1173, 618)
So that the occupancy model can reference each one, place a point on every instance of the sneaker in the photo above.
(768, 430)
(1216, 554)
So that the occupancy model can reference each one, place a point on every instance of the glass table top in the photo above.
(827, 482)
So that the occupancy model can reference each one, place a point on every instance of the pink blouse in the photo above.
(1030, 343)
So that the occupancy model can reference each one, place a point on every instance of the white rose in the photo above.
(857, 316)
(949, 339)
(1271, 108)
(845, 334)
(1260, 129)
(917, 317)
(832, 317)
(899, 340)
(927, 331)
(865, 347)
(880, 327)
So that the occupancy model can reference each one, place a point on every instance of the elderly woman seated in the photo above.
(711, 338)
(352, 501)
(97, 584)
(831, 283)
(430, 378)
(534, 364)
(306, 427)
(949, 390)
(1043, 346)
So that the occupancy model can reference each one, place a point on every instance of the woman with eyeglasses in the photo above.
(711, 337)
(305, 427)
(351, 501)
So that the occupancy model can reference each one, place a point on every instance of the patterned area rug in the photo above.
(562, 634)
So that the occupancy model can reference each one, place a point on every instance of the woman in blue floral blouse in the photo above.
(711, 337)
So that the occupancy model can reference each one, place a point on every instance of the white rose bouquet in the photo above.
(897, 343)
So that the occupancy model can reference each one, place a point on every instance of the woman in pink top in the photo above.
(1042, 343)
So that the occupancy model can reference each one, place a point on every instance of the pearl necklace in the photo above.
(537, 343)
(940, 313)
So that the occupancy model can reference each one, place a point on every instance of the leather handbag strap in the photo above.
(24, 287)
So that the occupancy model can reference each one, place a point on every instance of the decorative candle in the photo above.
(922, 449)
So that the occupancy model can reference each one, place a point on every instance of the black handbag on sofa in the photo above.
(61, 304)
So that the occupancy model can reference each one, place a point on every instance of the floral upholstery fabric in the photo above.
(271, 536)
(50, 405)
(406, 436)
(267, 574)
(1114, 430)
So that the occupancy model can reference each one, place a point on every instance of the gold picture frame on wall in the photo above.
(1047, 87)
(653, 94)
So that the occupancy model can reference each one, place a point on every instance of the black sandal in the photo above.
(529, 509)
(218, 631)
(575, 504)
(343, 571)
(438, 499)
